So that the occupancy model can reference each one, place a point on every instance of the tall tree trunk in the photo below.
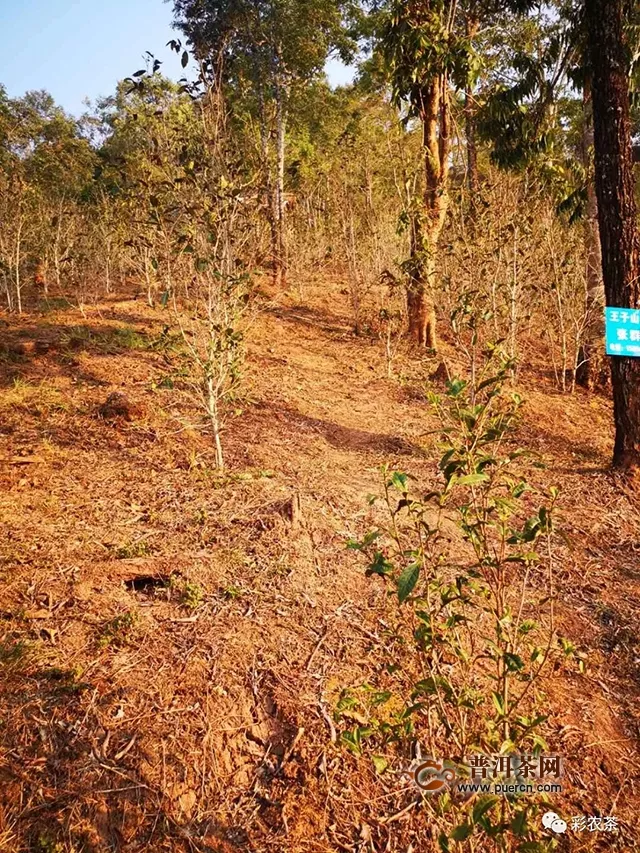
(56, 246)
(280, 265)
(472, 151)
(269, 198)
(18, 264)
(435, 116)
(591, 355)
(471, 28)
(616, 206)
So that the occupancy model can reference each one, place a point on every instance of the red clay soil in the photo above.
(172, 641)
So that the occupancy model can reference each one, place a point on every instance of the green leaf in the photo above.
(185, 59)
(519, 489)
(539, 745)
(536, 655)
(431, 685)
(513, 662)
(399, 481)
(379, 566)
(368, 539)
(519, 823)
(499, 703)
(462, 832)
(443, 843)
(455, 387)
(353, 739)
(380, 763)
(472, 479)
(407, 581)
(492, 380)
(482, 807)
(352, 742)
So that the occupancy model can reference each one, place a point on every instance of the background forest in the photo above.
(229, 303)
(259, 166)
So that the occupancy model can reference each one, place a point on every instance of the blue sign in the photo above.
(622, 331)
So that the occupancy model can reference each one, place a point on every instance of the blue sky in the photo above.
(80, 48)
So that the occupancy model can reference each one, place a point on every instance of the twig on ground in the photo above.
(398, 815)
(316, 648)
(294, 743)
(327, 718)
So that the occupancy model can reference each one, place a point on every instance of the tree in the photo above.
(423, 53)
(264, 50)
(45, 167)
(535, 122)
(592, 352)
(487, 29)
(617, 215)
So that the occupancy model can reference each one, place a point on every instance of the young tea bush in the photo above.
(470, 572)
(214, 345)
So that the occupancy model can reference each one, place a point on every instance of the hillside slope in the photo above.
(173, 642)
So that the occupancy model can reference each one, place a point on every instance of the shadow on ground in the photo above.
(339, 436)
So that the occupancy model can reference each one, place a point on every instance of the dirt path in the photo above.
(172, 641)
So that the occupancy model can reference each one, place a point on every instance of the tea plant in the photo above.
(133, 550)
(117, 631)
(215, 347)
(189, 593)
(192, 595)
(199, 226)
(473, 624)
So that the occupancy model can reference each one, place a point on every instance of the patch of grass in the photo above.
(12, 655)
(77, 337)
(169, 341)
(117, 339)
(35, 399)
(117, 631)
(247, 476)
(192, 595)
(46, 843)
(171, 380)
(166, 383)
(54, 303)
(232, 592)
(130, 550)
(8, 356)
(65, 681)
(110, 341)
(200, 517)
(124, 338)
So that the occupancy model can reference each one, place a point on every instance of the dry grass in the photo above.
(43, 397)
(172, 641)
